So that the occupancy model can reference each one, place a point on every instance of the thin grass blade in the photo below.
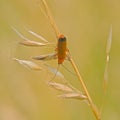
(108, 48)
(109, 41)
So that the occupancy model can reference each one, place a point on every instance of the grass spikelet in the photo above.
(28, 42)
(73, 96)
(60, 87)
(19, 34)
(32, 43)
(55, 71)
(38, 36)
(46, 57)
(28, 64)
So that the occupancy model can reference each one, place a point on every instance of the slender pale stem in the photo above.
(92, 105)
(51, 20)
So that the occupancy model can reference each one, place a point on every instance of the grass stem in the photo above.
(92, 105)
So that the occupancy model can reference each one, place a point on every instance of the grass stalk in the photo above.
(92, 105)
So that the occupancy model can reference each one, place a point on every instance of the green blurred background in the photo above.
(24, 94)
